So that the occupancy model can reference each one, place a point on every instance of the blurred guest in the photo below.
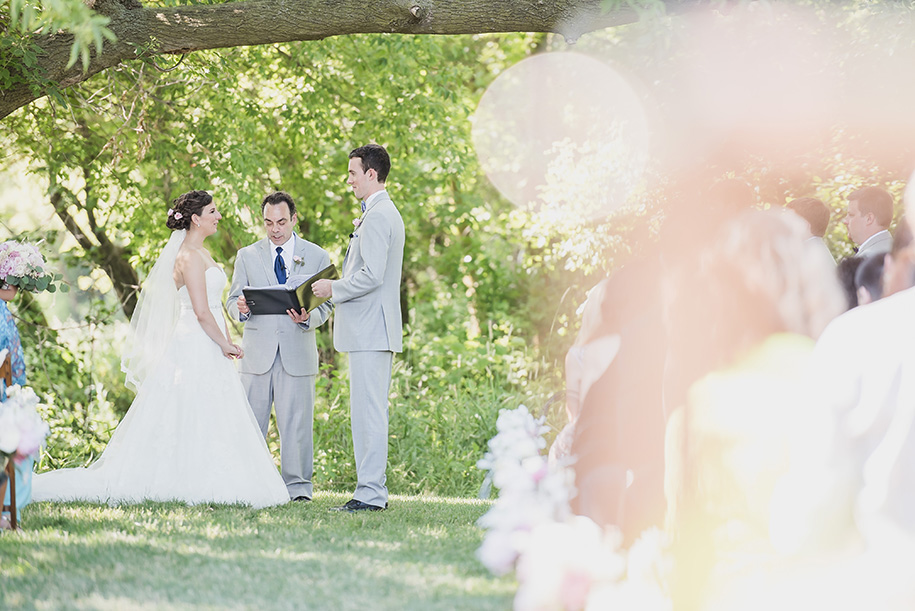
(9, 340)
(868, 218)
(846, 270)
(816, 214)
(847, 506)
(595, 347)
(618, 441)
(869, 279)
(899, 264)
(766, 295)
(686, 233)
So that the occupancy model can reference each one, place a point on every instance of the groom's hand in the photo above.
(323, 288)
(298, 317)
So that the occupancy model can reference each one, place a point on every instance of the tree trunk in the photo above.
(147, 32)
(106, 255)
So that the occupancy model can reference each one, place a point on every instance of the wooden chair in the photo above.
(6, 373)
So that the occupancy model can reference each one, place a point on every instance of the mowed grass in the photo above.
(417, 555)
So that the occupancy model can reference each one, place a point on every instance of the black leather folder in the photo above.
(275, 300)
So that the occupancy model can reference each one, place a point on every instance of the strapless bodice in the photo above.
(216, 282)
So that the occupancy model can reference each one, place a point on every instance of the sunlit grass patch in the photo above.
(417, 555)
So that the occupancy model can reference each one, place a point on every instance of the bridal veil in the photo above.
(154, 317)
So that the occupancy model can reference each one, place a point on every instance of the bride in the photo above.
(189, 434)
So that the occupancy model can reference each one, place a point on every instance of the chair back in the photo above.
(6, 366)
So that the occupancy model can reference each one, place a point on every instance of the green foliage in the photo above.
(42, 17)
(417, 555)
(79, 380)
(36, 284)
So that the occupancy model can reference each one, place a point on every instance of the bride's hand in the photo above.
(233, 351)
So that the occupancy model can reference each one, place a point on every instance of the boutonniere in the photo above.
(356, 223)
(297, 259)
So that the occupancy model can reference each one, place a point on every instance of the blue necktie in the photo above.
(279, 267)
(363, 206)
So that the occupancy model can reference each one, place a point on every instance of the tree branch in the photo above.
(107, 255)
(147, 32)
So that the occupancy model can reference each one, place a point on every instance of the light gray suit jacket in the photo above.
(265, 334)
(878, 244)
(367, 297)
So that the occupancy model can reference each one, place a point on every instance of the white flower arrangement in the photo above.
(561, 561)
(22, 266)
(22, 431)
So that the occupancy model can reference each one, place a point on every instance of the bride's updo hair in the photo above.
(187, 205)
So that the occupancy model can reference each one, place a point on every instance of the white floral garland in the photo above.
(22, 431)
(562, 561)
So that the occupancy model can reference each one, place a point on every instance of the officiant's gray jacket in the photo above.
(264, 335)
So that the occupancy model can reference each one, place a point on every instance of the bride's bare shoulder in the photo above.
(191, 257)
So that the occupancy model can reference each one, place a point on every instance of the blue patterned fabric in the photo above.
(9, 339)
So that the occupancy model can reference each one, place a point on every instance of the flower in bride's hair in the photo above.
(357, 222)
(171, 211)
(178, 216)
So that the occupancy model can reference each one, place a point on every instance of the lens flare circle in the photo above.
(562, 134)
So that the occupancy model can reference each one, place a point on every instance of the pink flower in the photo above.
(357, 222)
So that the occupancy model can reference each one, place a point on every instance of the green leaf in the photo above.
(74, 55)
(15, 10)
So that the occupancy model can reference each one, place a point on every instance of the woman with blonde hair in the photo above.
(765, 297)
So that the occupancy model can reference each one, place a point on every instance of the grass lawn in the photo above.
(417, 555)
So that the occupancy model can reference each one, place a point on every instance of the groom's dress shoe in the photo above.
(352, 506)
(301, 499)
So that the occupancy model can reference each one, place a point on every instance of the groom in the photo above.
(281, 357)
(368, 322)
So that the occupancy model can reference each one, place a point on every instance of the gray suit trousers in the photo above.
(294, 399)
(369, 384)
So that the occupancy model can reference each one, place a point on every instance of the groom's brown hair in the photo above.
(374, 157)
(279, 197)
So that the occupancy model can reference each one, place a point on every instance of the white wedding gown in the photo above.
(189, 435)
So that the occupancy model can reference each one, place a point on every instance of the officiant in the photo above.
(281, 356)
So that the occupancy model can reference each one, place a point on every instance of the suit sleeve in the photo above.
(239, 281)
(374, 245)
(320, 314)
